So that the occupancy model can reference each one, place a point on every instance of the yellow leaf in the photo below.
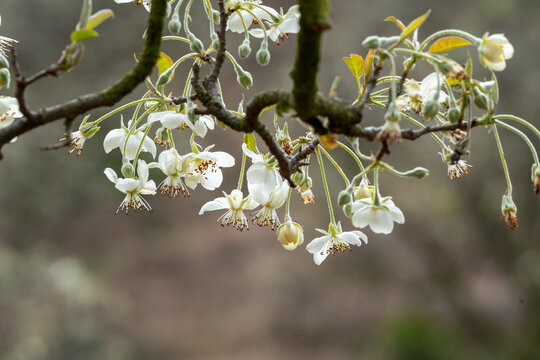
(415, 24)
(99, 17)
(448, 43)
(368, 66)
(396, 21)
(355, 64)
(163, 63)
(329, 141)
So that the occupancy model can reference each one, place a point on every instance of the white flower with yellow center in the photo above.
(242, 17)
(334, 241)
(418, 94)
(279, 30)
(380, 217)
(9, 110)
(494, 50)
(205, 168)
(117, 138)
(172, 165)
(133, 188)
(236, 204)
(262, 174)
(267, 216)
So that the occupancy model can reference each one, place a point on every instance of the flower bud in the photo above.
(195, 44)
(386, 41)
(244, 78)
(431, 109)
(345, 197)
(216, 17)
(165, 77)
(244, 50)
(347, 210)
(127, 169)
(480, 99)
(263, 55)
(453, 114)
(290, 235)
(362, 192)
(372, 42)
(175, 25)
(417, 172)
(215, 40)
(4, 63)
(5, 78)
(536, 178)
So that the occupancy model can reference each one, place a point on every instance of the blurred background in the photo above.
(78, 282)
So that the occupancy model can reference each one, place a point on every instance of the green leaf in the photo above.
(163, 63)
(83, 34)
(396, 21)
(415, 24)
(99, 17)
(355, 64)
(448, 43)
(250, 141)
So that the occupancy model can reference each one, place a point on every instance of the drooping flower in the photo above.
(236, 204)
(241, 19)
(262, 173)
(380, 217)
(205, 168)
(133, 188)
(290, 235)
(267, 216)
(173, 120)
(334, 241)
(9, 111)
(456, 169)
(494, 50)
(509, 211)
(116, 138)
(172, 165)
(279, 30)
(417, 95)
(146, 3)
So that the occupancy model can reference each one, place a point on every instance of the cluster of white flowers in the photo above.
(441, 99)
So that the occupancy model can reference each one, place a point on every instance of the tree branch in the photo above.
(106, 97)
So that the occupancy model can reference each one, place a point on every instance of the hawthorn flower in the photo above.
(236, 204)
(172, 120)
(9, 111)
(494, 50)
(146, 3)
(133, 188)
(380, 217)
(117, 139)
(240, 20)
(334, 241)
(172, 165)
(290, 235)
(456, 169)
(262, 173)
(279, 30)
(267, 215)
(417, 95)
(205, 168)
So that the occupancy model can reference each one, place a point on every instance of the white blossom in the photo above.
(173, 120)
(147, 3)
(133, 188)
(287, 24)
(334, 241)
(494, 50)
(235, 203)
(205, 168)
(117, 139)
(380, 218)
(267, 216)
(172, 165)
(290, 235)
(241, 19)
(9, 111)
(262, 173)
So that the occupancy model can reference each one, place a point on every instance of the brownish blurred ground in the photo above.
(78, 282)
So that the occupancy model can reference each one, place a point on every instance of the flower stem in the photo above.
(336, 165)
(123, 107)
(503, 159)
(241, 178)
(476, 41)
(377, 196)
(523, 136)
(519, 120)
(288, 205)
(325, 183)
